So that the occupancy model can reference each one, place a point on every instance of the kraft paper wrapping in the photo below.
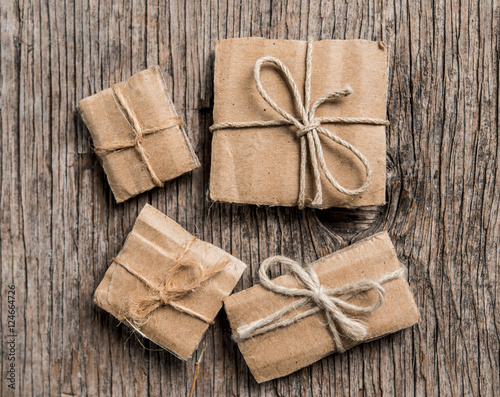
(151, 249)
(285, 350)
(261, 165)
(168, 149)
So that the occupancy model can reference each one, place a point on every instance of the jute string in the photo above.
(333, 302)
(139, 133)
(308, 128)
(167, 292)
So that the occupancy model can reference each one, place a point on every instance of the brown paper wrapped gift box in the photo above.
(284, 350)
(260, 165)
(137, 134)
(150, 252)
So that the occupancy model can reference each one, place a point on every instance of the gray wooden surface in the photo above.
(60, 226)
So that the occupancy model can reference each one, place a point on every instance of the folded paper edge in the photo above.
(182, 127)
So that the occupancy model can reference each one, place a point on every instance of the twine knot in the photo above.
(333, 302)
(309, 128)
(164, 297)
(138, 141)
(172, 288)
(319, 297)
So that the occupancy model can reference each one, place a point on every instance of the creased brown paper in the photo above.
(261, 165)
(282, 351)
(137, 134)
(150, 251)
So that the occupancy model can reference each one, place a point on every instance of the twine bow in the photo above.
(308, 128)
(139, 133)
(166, 292)
(333, 302)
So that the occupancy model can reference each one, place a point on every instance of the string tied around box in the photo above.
(309, 127)
(167, 291)
(139, 133)
(341, 316)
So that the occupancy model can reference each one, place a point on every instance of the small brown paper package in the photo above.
(299, 123)
(354, 295)
(137, 134)
(166, 284)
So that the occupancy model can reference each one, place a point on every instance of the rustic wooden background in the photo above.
(60, 225)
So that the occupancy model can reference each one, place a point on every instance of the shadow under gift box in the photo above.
(282, 351)
(150, 251)
(260, 165)
(138, 109)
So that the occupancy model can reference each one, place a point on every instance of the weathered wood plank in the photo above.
(60, 226)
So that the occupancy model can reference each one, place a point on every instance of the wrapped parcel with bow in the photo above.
(137, 134)
(299, 123)
(166, 284)
(354, 295)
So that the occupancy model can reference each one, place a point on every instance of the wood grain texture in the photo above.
(60, 226)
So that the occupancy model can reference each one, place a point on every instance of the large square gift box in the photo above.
(299, 123)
